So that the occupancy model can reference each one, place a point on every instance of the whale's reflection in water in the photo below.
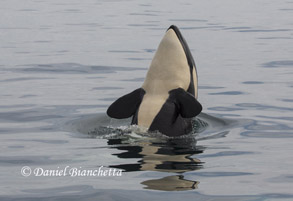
(171, 183)
(172, 155)
(154, 151)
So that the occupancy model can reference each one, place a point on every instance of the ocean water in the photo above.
(62, 63)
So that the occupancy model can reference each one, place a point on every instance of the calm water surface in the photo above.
(62, 63)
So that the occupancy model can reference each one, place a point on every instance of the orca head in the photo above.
(192, 67)
(172, 61)
(188, 54)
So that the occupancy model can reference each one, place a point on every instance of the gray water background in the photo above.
(63, 62)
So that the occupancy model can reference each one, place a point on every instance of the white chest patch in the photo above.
(169, 70)
(150, 107)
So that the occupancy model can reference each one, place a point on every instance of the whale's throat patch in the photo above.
(150, 107)
(169, 68)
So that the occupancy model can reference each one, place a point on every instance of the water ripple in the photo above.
(262, 107)
(228, 93)
(221, 174)
(264, 30)
(267, 134)
(72, 68)
(227, 153)
(252, 82)
(276, 64)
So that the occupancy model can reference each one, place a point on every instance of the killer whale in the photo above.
(167, 100)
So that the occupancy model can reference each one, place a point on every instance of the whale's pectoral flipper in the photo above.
(186, 103)
(126, 106)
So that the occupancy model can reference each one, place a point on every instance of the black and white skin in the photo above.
(167, 100)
